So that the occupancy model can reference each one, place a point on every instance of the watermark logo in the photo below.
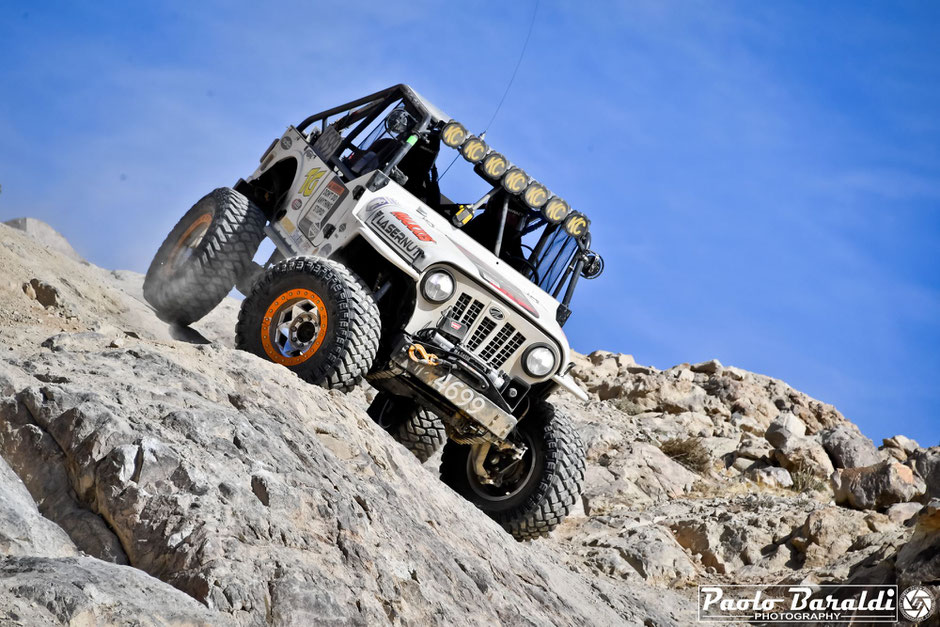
(917, 604)
(829, 603)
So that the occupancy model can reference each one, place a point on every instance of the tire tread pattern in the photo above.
(229, 245)
(357, 322)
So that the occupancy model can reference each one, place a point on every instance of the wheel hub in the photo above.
(297, 328)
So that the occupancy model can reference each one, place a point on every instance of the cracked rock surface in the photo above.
(154, 475)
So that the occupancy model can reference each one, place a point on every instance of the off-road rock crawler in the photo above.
(452, 310)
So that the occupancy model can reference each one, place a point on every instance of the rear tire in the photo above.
(315, 317)
(419, 430)
(550, 476)
(203, 256)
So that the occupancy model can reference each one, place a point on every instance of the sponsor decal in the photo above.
(388, 227)
(323, 207)
(782, 603)
(456, 326)
(413, 226)
(297, 204)
(308, 153)
(918, 604)
(313, 178)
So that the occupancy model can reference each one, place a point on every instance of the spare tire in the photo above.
(203, 256)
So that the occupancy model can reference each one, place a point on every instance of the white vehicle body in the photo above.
(323, 215)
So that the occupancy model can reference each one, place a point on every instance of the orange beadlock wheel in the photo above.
(293, 327)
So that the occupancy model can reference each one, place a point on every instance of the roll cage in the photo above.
(556, 260)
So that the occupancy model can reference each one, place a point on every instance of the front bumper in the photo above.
(447, 387)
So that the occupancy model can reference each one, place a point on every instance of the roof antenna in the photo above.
(508, 86)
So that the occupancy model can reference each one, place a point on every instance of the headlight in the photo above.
(539, 361)
(438, 286)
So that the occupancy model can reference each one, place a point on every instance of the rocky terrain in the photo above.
(154, 475)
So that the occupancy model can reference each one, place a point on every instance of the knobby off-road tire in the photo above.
(419, 430)
(202, 257)
(337, 346)
(543, 497)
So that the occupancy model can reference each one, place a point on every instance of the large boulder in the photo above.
(848, 448)
(784, 428)
(804, 455)
(875, 487)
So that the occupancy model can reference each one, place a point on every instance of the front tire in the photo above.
(419, 430)
(315, 317)
(203, 256)
(547, 482)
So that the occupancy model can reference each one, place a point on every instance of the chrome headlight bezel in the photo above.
(428, 280)
(536, 349)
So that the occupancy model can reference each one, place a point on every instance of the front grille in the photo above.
(481, 333)
(489, 341)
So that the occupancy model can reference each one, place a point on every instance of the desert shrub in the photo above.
(805, 479)
(690, 452)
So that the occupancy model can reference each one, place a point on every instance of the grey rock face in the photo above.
(86, 591)
(848, 448)
(244, 505)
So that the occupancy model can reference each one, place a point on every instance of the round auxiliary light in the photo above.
(539, 361)
(438, 286)
(474, 149)
(515, 180)
(577, 224)
(454, 134)
(535, 195)
(556, 210)
(495, 165)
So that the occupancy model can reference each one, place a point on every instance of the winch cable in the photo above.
(512, 78)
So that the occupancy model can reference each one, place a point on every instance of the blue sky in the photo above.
(763, 178)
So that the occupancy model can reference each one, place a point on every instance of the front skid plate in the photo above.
(469, 403)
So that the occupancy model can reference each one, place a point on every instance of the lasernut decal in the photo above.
(390, 228)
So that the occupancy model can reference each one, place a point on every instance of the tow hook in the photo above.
(418, 353)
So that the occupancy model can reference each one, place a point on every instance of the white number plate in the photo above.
(459, 393)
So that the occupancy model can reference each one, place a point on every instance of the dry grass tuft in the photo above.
(805, 479)
(690, 452)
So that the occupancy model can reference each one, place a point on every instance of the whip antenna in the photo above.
(508, 85)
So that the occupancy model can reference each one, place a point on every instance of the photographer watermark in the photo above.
(831, 603)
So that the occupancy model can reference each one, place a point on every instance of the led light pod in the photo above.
(454, 134)
(495, 165)
(515, 180)
(556, 210)
(577, 224)
(474, 149)
(535, 195)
